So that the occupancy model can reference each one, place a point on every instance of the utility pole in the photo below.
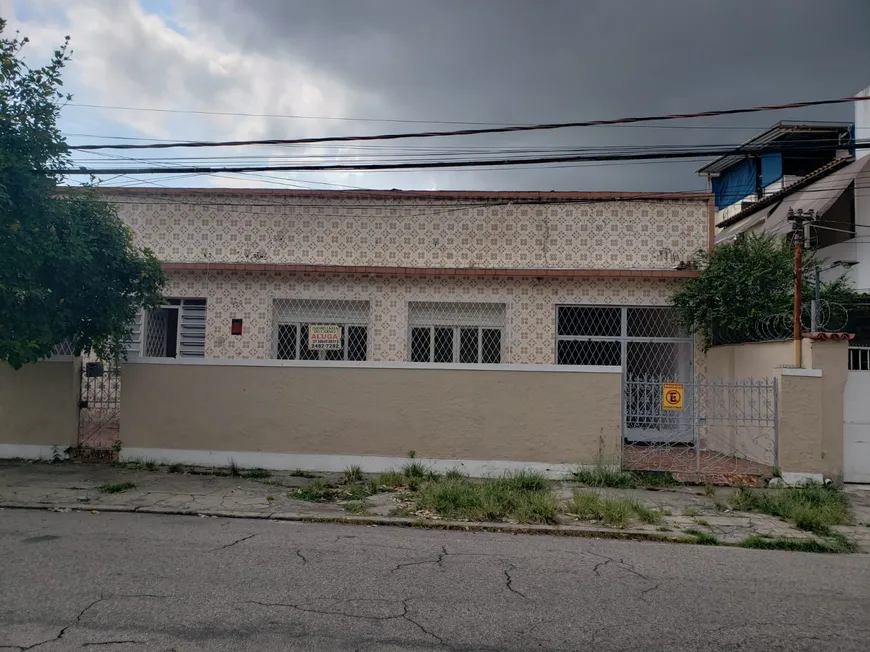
(797, 219)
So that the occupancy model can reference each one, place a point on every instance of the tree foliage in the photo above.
(746, 290)
(69, 270)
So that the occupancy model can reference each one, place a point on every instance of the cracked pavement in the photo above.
(120, 581)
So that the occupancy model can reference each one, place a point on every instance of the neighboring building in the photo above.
(774, 160)
(838, 191)
(420, 277)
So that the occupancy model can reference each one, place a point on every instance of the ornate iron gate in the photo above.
(721, 427)
(100, 406)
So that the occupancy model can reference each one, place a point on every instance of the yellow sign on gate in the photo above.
(672, 396)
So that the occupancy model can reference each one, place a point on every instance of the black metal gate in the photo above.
(100, 407)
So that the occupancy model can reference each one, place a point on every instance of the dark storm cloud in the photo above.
(552, 60)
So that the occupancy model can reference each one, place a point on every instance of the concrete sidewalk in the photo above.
(210, 492)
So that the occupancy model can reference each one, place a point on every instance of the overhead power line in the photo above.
(419, 165)
(473, 132)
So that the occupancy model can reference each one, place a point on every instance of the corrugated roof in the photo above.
(763, 140)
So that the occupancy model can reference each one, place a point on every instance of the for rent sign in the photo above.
(324, 337)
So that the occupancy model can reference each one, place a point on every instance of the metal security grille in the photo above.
(722, 428)
(175, 330)
(291, 319)
(644, 341)
(461, 332)
(99, 405)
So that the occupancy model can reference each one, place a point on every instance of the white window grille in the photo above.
(471, 333)
(291, 319)
(647, 342)
(174, 330)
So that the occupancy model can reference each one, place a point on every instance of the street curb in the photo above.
(507, 528)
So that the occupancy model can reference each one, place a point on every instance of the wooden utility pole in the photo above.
(797, 219)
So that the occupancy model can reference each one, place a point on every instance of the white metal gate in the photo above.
(856, 417)
(722, 427)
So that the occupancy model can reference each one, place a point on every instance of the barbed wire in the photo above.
(832, 317)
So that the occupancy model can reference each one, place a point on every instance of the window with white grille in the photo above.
(470, 333)
(174, 330)
(645, 341)
(299, 325)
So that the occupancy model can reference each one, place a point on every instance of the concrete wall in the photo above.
(753, 360)
(183, 411)
(39, 407)
(810, 399)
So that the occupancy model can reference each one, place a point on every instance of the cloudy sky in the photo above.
(342, 67)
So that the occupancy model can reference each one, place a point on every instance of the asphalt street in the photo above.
(113, 582)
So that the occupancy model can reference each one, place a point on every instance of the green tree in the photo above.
(69, 270)
(746, 291)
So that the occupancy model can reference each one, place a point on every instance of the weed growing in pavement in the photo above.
(703, 538)
(663, 528)
(719, 506)
(702, 522)
(176, 468)
(115, 488)
(613, 511)
(358, 508)
(233, 469)
(812, 507)
(317, 491)
(257, 474)
(604, 475)
(391, 480)
(524, 496)
(414, 470)
(299, 473)
(150, 465)
(709, 490)
(352, 474)
(835, 544)
(454, 474)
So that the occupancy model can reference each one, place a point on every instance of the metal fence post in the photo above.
(775, 423)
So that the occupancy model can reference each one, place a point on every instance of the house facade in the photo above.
(419, 277)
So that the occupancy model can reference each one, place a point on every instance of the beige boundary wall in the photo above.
(810, 399)
(39, 408)
(282, 414)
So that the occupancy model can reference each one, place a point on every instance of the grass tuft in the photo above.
(454, 474)
(414, 470)
(691, 512)
(233, 469)
(603, 475)
(176, 468)
(703, 538)
(835, 544)
(523, 496)
(352, 474)
(257, 474)
(299, 473)
(317, 491)
(812, 507)
(357, 507)
(150, 465)
(391, 480)
(613, 511)
(655, 479)
(115, 488)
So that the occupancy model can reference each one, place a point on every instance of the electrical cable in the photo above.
(486, 130)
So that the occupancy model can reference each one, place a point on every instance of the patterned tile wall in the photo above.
(531, 305)
(415, 232)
